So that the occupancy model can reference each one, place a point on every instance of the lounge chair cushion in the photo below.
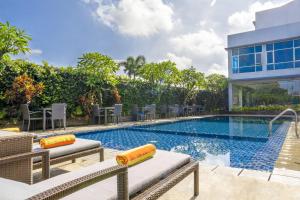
(77, 146)
(13, 190)
(140, 176)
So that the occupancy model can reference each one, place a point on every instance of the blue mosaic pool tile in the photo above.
(241, 153)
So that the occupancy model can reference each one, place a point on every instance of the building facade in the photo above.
(264, 64)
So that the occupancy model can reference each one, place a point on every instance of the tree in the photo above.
(12, 40)
(132, 65)
(216, 83)
(192, 81)
(215, 96)
(160, 73)
(99, 73)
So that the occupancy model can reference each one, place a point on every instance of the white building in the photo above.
(264, 64)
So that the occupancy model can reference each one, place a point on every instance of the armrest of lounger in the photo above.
(85, 181)
(21, 156)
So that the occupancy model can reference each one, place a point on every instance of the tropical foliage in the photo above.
(132, 65)
(94, 80)
(12, 40)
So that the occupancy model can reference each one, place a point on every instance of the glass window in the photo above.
(246, 50)
(297, 43)
(270, 67)
(270, 57)
(235, 52)
(297, 54)
(270, 47)
(235, 64)
(284, 65)
(297, 64)
(258, 49)
(247, 69)
(285, 55)
(246, 60)
(258, 59)
(259, 68)
(283, 45)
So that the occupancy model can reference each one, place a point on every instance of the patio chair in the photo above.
(147, 180)
(117, 113)
(58, 112)
(28, 116)
(163, 111)
(16, 155)
(97, 113)
(134, 112)
(174, 110)
(150, 112)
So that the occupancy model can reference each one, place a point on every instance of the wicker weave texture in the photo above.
(21, 169)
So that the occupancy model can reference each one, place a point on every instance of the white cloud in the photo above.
(213, 2)
(136, 17)
(218, 69)
(202, 43)
(243, 20)
(182, 62)
(204, 48)
(36, 52)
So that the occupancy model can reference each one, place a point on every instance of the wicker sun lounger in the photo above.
(106, 180)
(18, 155)
(80, 148)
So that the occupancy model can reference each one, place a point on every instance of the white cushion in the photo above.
(77, 146)
(140, 176)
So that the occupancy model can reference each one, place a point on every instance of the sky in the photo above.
(187, 32)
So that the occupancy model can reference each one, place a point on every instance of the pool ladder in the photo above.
(282, 113)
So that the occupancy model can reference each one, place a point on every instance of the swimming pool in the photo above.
(229, 141)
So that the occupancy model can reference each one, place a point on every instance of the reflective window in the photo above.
(297, 64)
(247, 69)
(259, 68)
(246, 60)
(297, 54)
(279, 55)
(235, 52)
(285, 55)
(270, 57)
(270, 47)
(270, 67)
(235, 64)
(258, 49)
(283, 45)
(284, 65)
(297, 43)
(258, 59)
(246, 50)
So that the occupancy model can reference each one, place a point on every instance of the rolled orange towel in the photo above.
(57, 141)
(136, 155)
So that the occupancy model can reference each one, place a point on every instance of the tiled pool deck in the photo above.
(218, 182)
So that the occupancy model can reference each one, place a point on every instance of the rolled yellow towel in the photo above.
(57, 141)
(136, 155)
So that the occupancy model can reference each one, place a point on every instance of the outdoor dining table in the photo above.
(106, 109)
(45, 117)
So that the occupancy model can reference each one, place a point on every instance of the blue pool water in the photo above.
(229, 141)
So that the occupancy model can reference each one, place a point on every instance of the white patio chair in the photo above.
(58, 112)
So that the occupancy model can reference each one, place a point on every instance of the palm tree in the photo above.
(132, 65)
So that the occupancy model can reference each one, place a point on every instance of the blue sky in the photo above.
(190, 32)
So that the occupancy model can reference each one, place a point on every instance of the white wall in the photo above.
(264, 35)
(286, 14)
